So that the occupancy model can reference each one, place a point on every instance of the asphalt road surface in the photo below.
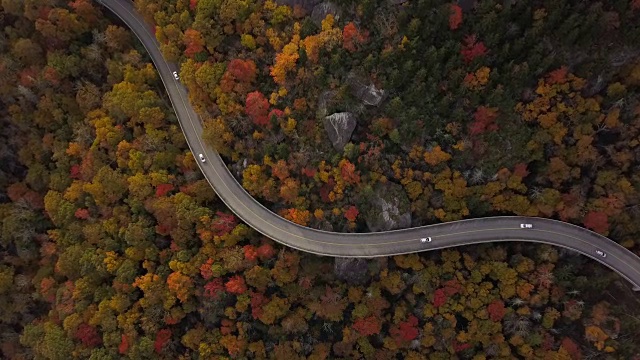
(457, 233)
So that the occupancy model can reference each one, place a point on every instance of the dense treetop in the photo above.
(112, 244)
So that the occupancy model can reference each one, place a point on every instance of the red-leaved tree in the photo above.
(597, 221)
(348, 172)
(75, 172)
(223, 224)
(520, 170)
(405, 330)
(242, 70)
(352, 36)
(496, 310)
(484, 120)
(257, 108)
(472, 48)
(205, 269)
(266, 251)
(124, 344)
(250, 252)
(455, 19)
(277, 113)
(369, 325)
(457, 346)
(213, 289)
(193, 41)
(257, 300)
(88, 335)
(572, 348)
(352, 213)
(558, 76)
(162, 338)
(82, 214)
(439, 297)
(236, 285)
(163, 189)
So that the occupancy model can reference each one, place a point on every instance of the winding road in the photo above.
(457, 233)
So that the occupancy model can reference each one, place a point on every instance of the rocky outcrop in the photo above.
(339, 127)
(321, 11)
(388, 209)
(353, 271)
(368, 94)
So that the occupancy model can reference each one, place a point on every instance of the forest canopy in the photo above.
(113, 245)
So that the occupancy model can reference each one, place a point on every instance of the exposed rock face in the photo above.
(353, 271)
(389, 209)
(339, 127)
(305, 4)
(321, 11)
(368, 94)
(594, 86)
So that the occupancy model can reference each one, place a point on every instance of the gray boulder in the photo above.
(321, 11)
(339, 127)
(353, 271)
(388, 209)
(368, 94)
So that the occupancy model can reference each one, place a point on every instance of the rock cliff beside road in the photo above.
(388, 208)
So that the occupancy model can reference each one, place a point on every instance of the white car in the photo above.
(202, 158)
(175, 75)
(601, 253)
(425, 240)
(526, 226)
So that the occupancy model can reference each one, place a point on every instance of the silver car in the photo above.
(526, 226)
(601, 253)
(202, 158)
(425, 240)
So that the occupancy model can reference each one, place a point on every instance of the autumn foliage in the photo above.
(88, 335)
(472, 48)
(124, 345)
(257, 108)
(369, 325)
(242, 70)
(496, 310)
(351, 36)
(558, 76)
(300, 217)
(162, 338)
(406, 330)
(194, 42)
(113, 244)
(484, 120)
(597, 221)
(250, 252)
(455, 19)
(163, 189)
(352, 213)
(82, 214)
(223, 223)
(214, 288)
(266, 251)
(236, 285)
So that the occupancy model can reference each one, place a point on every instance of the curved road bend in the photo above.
(457, 233)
